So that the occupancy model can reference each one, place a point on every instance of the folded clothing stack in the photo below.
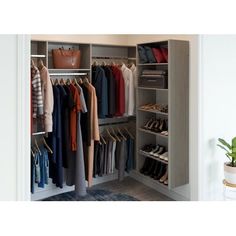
(154, 78)
(153, 55)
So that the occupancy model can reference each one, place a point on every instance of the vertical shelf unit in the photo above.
(176, 95)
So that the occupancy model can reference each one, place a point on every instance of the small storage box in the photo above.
(154, 81)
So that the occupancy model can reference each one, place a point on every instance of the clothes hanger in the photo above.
(36, 144)
(75, 81)
(130, 134)
(113, 131)
(33, 154)
(86, 81)
(40, 64)
(103, 140)
(95, 63)
(109, 134)
(46, 145)
(62, 81)
(32, 63)
(121, 134)
(68, 82)
(80, 81)
(52, 81)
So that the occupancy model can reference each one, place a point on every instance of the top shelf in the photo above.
(153, 64)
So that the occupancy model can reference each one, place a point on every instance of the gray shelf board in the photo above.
(114, 120)
(153, 111)
(60, 70)
(151, 132)
(153, 157)
(149, 88)
(153, 180)
(152, 64)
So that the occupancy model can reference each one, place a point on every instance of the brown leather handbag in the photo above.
(66, 59)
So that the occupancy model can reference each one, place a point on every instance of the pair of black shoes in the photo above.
(153, 168)
(156, 125)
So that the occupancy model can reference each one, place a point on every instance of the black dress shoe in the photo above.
(161, 172)
(156, 170)
(145, 165)
(150, 168)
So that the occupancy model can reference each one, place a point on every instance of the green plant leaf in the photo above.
(230, 158)
(234, 142)
(223, 147)
(233, 155)
(224, 143)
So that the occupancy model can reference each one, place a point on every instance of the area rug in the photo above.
(92, 195)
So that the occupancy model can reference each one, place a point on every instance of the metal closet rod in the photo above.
(127, 58)
(58, 74)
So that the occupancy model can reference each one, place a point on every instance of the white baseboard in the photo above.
(157, 186)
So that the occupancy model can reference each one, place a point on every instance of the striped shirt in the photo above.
(37, 97)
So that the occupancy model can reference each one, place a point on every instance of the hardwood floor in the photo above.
(133, 188)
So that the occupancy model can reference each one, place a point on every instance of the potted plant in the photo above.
(229, 167)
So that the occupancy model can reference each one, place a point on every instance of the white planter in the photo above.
(230, 173)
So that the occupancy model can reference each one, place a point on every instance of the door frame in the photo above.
(23, 118)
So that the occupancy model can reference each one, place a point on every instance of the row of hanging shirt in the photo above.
(41, 97)
(115, 88)
(114, 151)
(66, 107)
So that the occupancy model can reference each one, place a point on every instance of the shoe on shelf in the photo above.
(160, 171)
(160, 151)
(146, 106)
(147, 124)
(166, 182)
(145, 165)
(152, 125)
(154, 150)
(151, 167)
(156, 127)
(164, 133)
(164, 156)
(148, 148)
(157, 167)
(164, 177)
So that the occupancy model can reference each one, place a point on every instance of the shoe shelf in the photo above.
(153, 64)
(153, 157)
(152, 132)
(153, 111)
(176, 96)
(152, 88)
(156, 182)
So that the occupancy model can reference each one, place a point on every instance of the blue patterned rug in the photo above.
(92, 195)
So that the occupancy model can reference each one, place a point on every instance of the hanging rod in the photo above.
(38, 133)
(58, 74)
(38, 55)
(119, 58)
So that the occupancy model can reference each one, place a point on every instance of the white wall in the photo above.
(10, 125)
(8, 48)
(218, 114)
(119, 39)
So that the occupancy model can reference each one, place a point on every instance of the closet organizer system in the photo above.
(94, 102)
(157, 127)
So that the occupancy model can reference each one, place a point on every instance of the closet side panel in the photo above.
(178, 113)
